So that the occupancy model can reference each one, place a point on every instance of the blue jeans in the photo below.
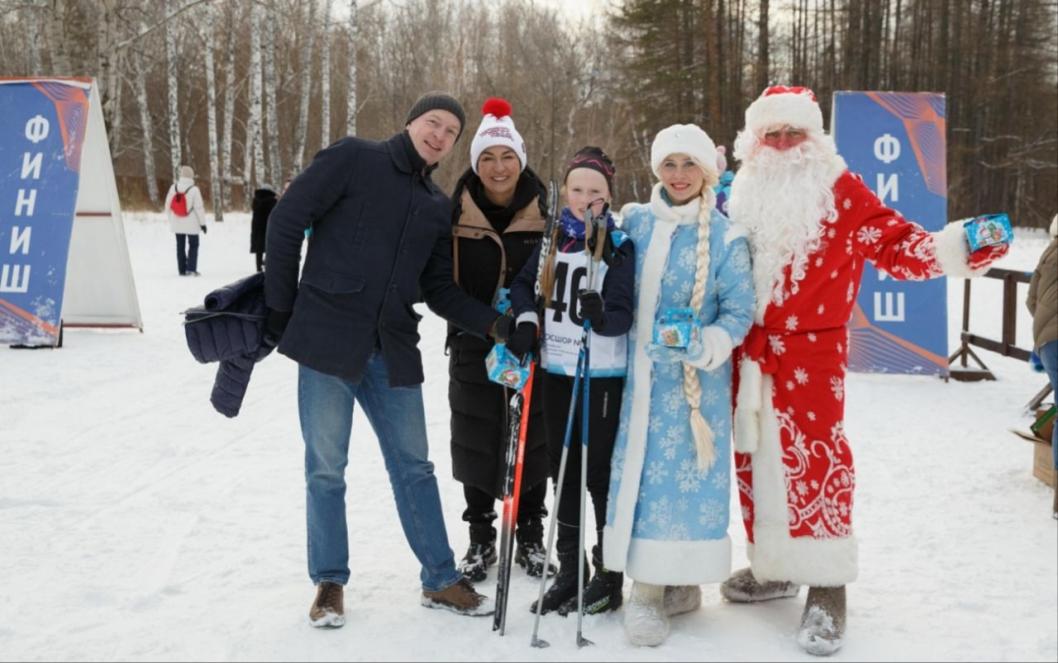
(1049, 357)
(325, 406)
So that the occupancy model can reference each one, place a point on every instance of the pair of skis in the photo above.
(517, 427)
(594, 228)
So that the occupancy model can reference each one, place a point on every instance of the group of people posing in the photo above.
(771, 286)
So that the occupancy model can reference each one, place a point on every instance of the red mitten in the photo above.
(986, 255)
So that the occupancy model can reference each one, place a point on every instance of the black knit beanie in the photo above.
(593, 158)
(440, 101)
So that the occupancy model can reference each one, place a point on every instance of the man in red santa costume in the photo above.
(812, 225)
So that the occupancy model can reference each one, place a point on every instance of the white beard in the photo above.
(784, 199)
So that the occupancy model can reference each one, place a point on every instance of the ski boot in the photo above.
(603, 592)
(563, 587)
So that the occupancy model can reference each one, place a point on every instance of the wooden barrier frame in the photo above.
(1006, 346)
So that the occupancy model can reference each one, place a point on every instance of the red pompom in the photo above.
(496, 106)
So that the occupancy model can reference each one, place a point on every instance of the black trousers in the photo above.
(259, 260)
(186, 259)
(604, 412)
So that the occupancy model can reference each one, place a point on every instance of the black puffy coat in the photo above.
(263, 202)
(229, 328)
(490, 245)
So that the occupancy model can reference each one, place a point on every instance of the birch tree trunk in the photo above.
(253, 154)
(215, 183)
(306, 86)
(229, 104)
(107, 66)
(325, 78)
(267, 31)
(354, 37)
(175, 156)
(115, 130)
(146, 122)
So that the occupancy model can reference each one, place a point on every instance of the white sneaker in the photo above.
(646, 623)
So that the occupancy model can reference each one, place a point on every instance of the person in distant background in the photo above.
(264, 199)
(186, 226)
(1043, 304)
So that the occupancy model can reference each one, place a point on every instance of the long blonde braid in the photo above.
(692, 386)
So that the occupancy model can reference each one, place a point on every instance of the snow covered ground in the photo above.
(137, 523)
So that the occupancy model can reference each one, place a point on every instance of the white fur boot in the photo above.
(646, 623)
(682, 598)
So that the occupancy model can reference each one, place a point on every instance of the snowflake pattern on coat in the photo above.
(677, 501)
(807, 360)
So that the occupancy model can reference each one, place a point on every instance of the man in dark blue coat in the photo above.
(379, 240)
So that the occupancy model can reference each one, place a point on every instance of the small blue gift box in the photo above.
(675, 328)
(988, 230)
(504, 368)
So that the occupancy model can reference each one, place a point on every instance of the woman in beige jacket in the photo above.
(1043, 304)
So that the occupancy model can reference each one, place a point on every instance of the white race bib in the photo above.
(564, 328)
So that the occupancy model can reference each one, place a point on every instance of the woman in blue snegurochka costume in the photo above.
(670, 479)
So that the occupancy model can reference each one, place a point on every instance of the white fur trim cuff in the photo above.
(803, 560)
(747, 407)
(528, 316)
(716, 345)
(953, 252)
(678, 562)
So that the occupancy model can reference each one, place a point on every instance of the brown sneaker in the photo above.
(326, 610)
(460, 598)
(742, 587)
(823, 622)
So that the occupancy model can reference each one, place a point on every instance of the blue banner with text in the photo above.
(896, 142)
(41, 135)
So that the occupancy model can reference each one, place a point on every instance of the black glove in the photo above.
(523, 340)
(502, 328)
(591, 308)
(204, 231)
(275, 325)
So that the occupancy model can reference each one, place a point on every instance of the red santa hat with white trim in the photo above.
(497, 128)
(780, 105)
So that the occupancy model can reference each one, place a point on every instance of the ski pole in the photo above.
(537, 641)
(594, 226)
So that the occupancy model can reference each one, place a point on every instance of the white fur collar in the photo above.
(679, 214)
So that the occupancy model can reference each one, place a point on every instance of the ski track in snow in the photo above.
(137, 523)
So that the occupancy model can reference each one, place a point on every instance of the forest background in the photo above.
(246, 91)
